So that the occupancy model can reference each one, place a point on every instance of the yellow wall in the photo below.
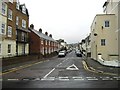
(107, 33)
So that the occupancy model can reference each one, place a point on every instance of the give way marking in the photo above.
(72, 67)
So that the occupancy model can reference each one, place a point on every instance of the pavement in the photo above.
(96, 66)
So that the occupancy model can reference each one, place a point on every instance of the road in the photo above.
(66, 72)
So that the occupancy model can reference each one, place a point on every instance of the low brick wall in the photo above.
(26, 58)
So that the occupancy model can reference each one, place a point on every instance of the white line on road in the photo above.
(59, 64)
(49, 73)
(12, 79)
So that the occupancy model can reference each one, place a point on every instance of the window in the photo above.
(45, 42)
(107, 24)
(103, 42)
(0, 48)
(24, 9)
(18, 4)
(3, 8)
(9, 48)
(23, 23)
(17, 20)
(3, 28)
(9, 31)
(23, 35)
(11, 1)
(41, 41)
(10, 14)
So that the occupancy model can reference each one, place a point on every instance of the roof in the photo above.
(41, 35)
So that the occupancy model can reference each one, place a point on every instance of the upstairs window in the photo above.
(10, 14)
(3, 28)
(18, 4)
(17, 20)
(9, 31)
(107, 23)
(3, 8)
(103, 42)
(23, 36)
(9, 48)
(23, 23)
(24, 9)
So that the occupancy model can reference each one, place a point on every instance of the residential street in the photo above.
(65, 72)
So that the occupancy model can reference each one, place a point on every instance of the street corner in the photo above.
(89, 67)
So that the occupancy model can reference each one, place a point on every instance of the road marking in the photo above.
(59, 64)
(63, 78)
(48, 78)
(12, 79)
(19, 68)
(72, 67)
(49, 73)
(96, 71)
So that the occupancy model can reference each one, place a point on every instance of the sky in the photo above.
(64, 19)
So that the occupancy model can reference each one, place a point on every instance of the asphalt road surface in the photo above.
(65, 72)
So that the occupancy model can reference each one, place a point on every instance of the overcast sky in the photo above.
(66, 19)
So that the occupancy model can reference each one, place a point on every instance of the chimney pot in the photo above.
(40, 30)
(32, 26)
(46, 33)
(50, 35)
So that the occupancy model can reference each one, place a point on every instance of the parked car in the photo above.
(78, 53)
(62, 53)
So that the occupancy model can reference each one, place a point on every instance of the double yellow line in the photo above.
(91, 69)
(19, 68)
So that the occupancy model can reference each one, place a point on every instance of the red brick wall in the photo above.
(35, 43)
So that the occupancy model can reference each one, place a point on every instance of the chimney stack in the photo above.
(46, 33)
(50, 35)
(32, 26)
(40, 30)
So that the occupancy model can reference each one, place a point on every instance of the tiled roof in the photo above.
(41, 35)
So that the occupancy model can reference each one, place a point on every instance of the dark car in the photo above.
(78, 53)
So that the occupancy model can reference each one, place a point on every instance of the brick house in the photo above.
(15, 22)
(41, 43)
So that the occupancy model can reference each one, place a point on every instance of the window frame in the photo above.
(0, 48)
(17, 20)
(9, 48)
(103, 42)
(10, 14)
(9, 31)
(23, 23)
(107, 23)
(3, 28)
(3, 8)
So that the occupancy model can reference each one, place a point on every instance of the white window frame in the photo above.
(103, 42)
(45, 42)
(107, 23)
(42, 41)
(9, 14)
(3, 8)
(24, 9)
(9, 31)
(18, 4)
(23, 36)
(23, 23)
(9, 48)
(17, 20)
(3, 28)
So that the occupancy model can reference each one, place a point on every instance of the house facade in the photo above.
(102, 28)
(41, 43)
(113, 7)
(3, 25)
(14, 21)
(22, 23)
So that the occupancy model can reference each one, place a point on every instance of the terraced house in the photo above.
(13, 29)
(41, 43)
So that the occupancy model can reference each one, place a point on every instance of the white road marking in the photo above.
(12, 79)
(72, 67)
(63, 78)
(59, 64)
(91, 79)
(48, 78)
(49, 73)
